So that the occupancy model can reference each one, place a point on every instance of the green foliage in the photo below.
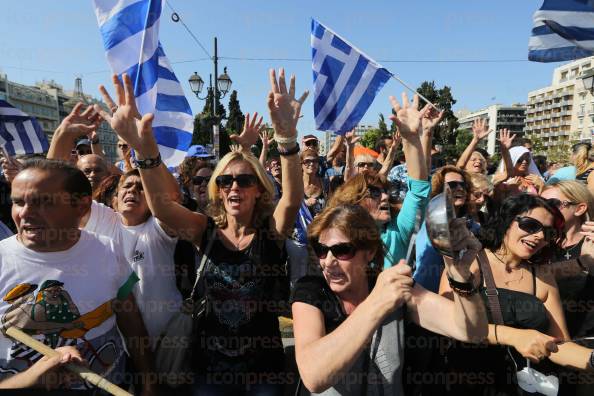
(370, 137)
(463, 139)
(236, 118)
(204, 121)
(382, 127)
(445, 132)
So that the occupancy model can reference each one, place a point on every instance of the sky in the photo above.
(59, 40)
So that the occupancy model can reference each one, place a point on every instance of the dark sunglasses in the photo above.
(532, 226)
(309, 161)
(123, 146)
(342, 251)
(455, 184)
(376, 192)
(311, 142)
(560, 204)
(243, 180)
(365, 165)
(198, 180)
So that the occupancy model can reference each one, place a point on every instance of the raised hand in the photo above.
(396, 140)
(462, 240)
(480, 129)
(350, 139)
(126, 120)
(249, 135)
(506, 138)
(407, 116)
(266, 138)
(80, 123)
(431, 119)
(284, 108)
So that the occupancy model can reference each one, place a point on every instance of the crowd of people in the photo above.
(96, 258)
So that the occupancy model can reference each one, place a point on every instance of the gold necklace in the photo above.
(509, 271)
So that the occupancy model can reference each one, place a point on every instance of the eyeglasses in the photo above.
(198, 180)
(309, 161)
(365, 165)
(532, 226)
(560, 204)
(342, 251)
(456, 184)
(243, 180)
(122, 146)
(311, 142)
(478, 194)
(376, 192)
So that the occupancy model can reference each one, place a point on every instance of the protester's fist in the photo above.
(534, 345)
(392, 288)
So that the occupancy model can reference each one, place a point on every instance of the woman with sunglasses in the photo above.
(245, 280)
(349, 323)
(518, 239)
(472, 160)
(371, 191)
(200, 187)
(520, 172)
(314, 187)
(429, 262)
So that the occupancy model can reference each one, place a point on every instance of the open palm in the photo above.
(407, 116)
(480, 129)
(284, 108)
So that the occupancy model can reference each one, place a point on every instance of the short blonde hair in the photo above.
(480, 181)
(576, 192)
(364, 158)
(264, 205)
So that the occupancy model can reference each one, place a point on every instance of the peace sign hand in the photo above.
(284, 109)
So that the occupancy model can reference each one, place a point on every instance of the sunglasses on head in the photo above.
(243, 180)
(533, 226)
(365, 165)
(376, 192)
(341, 251)
(198, 180)
(456, 184)
(309, 161)
(560, 204)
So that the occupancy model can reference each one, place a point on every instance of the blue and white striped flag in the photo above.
(345, 80)
(19, 132)
(130, 32)
(563, 30)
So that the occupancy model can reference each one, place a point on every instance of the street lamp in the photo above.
(219, 90)
(588, 80)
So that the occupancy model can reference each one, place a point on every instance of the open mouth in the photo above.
(384, 206)
(529, 244)
(334, 276)
(130, 199)
(235, 200)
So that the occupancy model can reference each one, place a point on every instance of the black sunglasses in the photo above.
(311, 142)
(365, 165)
(198, 180)
(243, 180)
(376, 192)
(342, 251)
(560, 204)
(532, 226)
(309, 161)
(455, 184)
(123, 146)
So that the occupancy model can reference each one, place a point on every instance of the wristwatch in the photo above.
(146, 163)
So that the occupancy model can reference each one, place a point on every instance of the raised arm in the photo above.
(285, 111)
(409, 121)
(505, 142)
(157, 182)
(76, 125)
(249, 134)
(266, 141)
(480, 130)
(350, 139)
(335, 149)
(391, 155)
(430, 121)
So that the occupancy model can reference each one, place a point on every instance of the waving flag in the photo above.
(130, 32)
(345, 81)
(563, 30)
(19, 132)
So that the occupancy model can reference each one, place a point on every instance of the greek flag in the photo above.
(130, 32)
(345, 80)
(19, 132)
(563, 30)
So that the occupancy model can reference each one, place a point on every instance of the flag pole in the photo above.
(412, 90)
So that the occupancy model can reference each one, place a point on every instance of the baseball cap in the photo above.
(198, 151)
(83, 142)
(308, 138)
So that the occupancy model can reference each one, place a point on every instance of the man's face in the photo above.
(47, 218)
(122, 148)
(94, 168)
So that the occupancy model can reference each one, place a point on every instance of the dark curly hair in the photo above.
(493, 233)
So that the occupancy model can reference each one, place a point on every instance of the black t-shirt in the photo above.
(246, 290)
(314, 290)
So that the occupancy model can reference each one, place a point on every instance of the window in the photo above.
(563, 76)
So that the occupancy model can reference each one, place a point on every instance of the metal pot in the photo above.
(440, 213)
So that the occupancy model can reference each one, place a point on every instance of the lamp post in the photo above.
(218, 91)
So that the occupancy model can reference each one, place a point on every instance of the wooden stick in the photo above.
(81, 371)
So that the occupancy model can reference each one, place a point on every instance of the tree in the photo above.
(236, 118)
(382, 127)
(463, 138)
(445, 132)
(204, 122)
(370, 137)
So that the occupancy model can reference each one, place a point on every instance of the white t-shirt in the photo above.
(149, 250)
(63, 298)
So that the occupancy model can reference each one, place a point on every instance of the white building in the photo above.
(330, 137)
(498, 117)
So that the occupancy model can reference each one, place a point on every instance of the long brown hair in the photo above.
(355, 190)
(354, 222)
(438, 180)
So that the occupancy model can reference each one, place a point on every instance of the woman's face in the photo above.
(478, 196)
(377, 204)
(310, 165)
(458, 187)
(571, 211)
(200, 186)
(520, 241)
(365, 167)
(476, 163)
(131, 201)
(239, 201)
(343, 273)
(522, 163)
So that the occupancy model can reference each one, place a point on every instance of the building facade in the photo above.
(330, 137)
(562, 114)
(50, 104)
(498, 117)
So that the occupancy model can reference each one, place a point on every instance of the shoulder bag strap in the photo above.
(492, 293)
(200, 270)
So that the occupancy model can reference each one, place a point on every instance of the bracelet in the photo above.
(291, 151)
(464, 289)
(146, 163)
(285, 140)
(496, 338)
